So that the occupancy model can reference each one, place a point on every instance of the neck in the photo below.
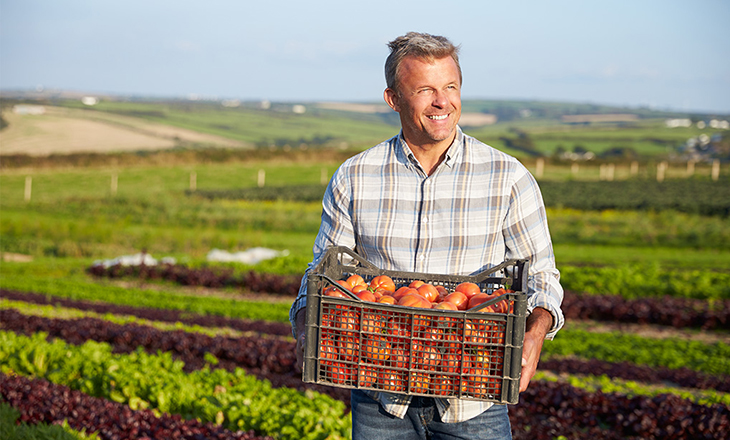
(432, 154)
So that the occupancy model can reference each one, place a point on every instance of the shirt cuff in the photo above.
(551, 305)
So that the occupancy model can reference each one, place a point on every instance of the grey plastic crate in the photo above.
(468, 354)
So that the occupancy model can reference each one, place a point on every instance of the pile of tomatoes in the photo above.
(418, 293)
(439, 354)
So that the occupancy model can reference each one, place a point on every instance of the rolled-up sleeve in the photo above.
(527, 236)
(335, 230)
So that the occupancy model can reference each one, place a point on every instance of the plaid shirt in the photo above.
(477, 209)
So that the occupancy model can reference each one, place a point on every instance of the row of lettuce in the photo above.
(36, 357)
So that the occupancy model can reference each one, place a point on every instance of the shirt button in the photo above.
(425, 219)
(422, 257)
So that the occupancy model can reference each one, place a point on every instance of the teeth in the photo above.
(438, 118)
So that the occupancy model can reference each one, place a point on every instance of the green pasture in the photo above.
(276, 126)
(279, 126)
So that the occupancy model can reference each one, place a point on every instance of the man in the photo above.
(435, 200)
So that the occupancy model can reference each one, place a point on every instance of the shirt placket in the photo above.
(425, 221)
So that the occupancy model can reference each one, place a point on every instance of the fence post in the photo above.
(193, 181)
(28, 187)
(610, 168)
(540, 167)
(262, 178)
(690, 168)
(114, 184)
(634, 168)
(715, 169)
(661, 168)
(574, 168)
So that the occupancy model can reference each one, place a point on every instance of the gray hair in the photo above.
(419, 45)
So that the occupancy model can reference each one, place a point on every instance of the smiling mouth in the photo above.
(438, 117)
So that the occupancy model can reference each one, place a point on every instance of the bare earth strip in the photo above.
(63, 131)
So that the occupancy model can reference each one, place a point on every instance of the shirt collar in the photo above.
(452, 154)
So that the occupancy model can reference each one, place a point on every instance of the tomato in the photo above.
(403, 291)
(445, 305)
(442, 385)
(334, 291)
(416, 284)
(398, 327)
(478, 299)
(367, 376)
(347, 348)
(386, 299)
(419, 381)
(341, 374)
(392, 381)
(365, 295)
(346, 319)
(375, 349)
(459, 299)
(414, 300)
(356, 280)
(382, 282)
(429, 292)
(398, 357)
(373, 322)
(426, 357)
(468, 289)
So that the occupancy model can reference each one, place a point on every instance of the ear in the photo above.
(391, 98)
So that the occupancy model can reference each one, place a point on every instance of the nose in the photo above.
(440, 99)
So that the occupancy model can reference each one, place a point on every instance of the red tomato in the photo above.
(416, 284)
(468, 289)
(356, 280)
(382, 282)
(403, 291)
(429, 292)
(414, 300)
(386, 299)
(478, 299)
(365, 295)
(375, 349)
(445, 305)
(459, 299)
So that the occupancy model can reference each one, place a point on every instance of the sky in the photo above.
(661, 54)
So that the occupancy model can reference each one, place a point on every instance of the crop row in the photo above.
(684, 305)
(546, 410)
(687, 195)
(236, 400)
(40, 401)
(273, 359)
(632, 281)
(154, 314)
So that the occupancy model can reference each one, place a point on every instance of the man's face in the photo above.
(428, 100)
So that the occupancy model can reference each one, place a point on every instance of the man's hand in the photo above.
(300, 319)
(539, 323)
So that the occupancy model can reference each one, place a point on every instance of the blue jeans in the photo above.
(422, 422)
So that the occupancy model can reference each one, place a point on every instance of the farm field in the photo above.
(199, 348)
